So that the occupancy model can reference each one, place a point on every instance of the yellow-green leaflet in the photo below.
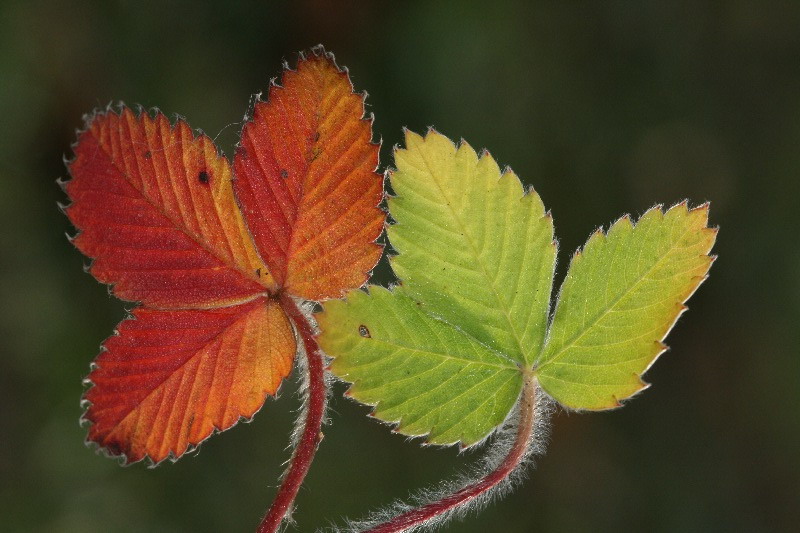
(443, 354)
(471, 244)
(419, 371)
(622, 294)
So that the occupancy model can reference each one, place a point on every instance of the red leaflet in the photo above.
(169, 378)
(156, 210)
(305, 178)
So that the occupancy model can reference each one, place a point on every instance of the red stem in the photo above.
(315, 409)
(515, 455)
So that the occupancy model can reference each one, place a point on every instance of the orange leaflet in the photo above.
(156, 210)
(305, 176)
(169, 378)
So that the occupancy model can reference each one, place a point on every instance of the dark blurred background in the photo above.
(605, 108)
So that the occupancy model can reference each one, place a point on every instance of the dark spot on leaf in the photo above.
(284, 173)
(364, 332)
(258, 272)
(148, 155)
(114, 447)
(316, 136)
(202, 177)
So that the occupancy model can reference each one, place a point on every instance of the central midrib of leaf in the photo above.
(301, 205)
(490, 280)
(606, 311)
(512, 364)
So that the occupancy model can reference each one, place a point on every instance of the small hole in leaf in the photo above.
(364, 332)
(202, 177)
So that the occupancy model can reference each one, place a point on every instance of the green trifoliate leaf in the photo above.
(622, 294)
(472, 244)
(423, 373)
(444, 353)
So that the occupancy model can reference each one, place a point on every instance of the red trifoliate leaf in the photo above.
(170, 378)
(156, 211)
(305, 178)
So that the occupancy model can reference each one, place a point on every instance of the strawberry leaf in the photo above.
(305, 176)
(472, 244)
(156, 211)
(475, 259)
(622, 294)
(170, 378)
(421, 372)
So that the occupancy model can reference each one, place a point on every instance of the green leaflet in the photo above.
(418, 371)
(471, 245)
(621, 296)
(444, 353)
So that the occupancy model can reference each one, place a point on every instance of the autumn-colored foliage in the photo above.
(471, 342)
(158, 210)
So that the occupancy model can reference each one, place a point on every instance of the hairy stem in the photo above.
(518, 451)
(311, 426)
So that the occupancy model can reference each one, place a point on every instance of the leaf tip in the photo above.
(622, 225)
(62, 182)
(63, 208)
(702, 213)
(411, 139)
(318, 50)
(643, 386)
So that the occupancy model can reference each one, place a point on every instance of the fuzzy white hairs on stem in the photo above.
(497, 448)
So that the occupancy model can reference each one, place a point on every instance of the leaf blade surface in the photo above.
(622, 294)
(418, 371)
(155, 209)
(168, 379)
(306, 181)
(472, 244)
